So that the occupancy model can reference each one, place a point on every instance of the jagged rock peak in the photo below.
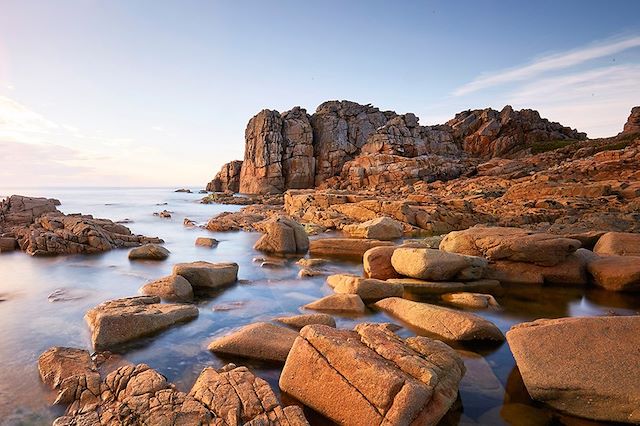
(633, 122)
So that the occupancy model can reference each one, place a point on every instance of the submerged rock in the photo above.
(207, 274)
(370, 376)
(348, 248)
(149, 252)
(282, 235)
(121, 320)
(444, 323)
(171, 287)
(436, 265)
(382, 228)
(70, 371)
(586, 367)
(421, 287)
(261, 340)
(339, 303)
(8, 244)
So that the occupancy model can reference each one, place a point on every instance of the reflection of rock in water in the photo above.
(65, 295)
(611, 299)
(479, 388)
(535, 301)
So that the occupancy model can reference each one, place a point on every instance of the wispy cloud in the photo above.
(555, 62)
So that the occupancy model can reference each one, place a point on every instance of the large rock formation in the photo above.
(40, 229)
(227, 179)
(632, 125)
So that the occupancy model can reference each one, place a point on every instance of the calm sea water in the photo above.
(31, 320)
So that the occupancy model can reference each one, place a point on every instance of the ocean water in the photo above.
(43, 301)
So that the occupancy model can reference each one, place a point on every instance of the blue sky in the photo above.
(152, 92)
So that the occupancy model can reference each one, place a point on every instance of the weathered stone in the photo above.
(206, 274)
(171, 287)
(369, 289)
(440, 322)
(421, 287)
(471, 300)
(227, 179)
(227, 221)
(632, 126)
(515, 244)
(206, 242)
(349, 248)
(371, 376)
(121, 320)
(587, 367)
(616, 273)
(149, 252)
(299, 321)
(8, 244)
(436, 265)
(261, 340)
(618, 243)
(382, 228)
(376, 263)
(340, 303)
(282, 235)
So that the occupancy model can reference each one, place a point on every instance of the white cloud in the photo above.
(548, 63)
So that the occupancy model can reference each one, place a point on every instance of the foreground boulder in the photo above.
(370, 376)
(471, 300)
(149, 252)
(586, 367)
(382, 228)
(40, 229)
(515, 244)
(282, 235)
(261, 340)
(71, 372)
(207, 274)
(436, 265)
(347, 248)
(618, 243)
(206, 242)
(443, 323)
(616, 273)
(171, 287)
(121, 320)
(369, 289)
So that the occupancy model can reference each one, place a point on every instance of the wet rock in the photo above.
(206, 274)
(377, 263)
(149, 252)
(165, 214)
(311, 262)
(479, 381)
(369, 289)
(436, 265)
(206, 242)
(299, 321)
(70, 371)
(282, 235)
(471, 300)
(382, 228)
(348, 248)
(189, 223)
(422, 287)
(619, 244)
(310, 272)
(261, 340)
(185, 190)
(371, 376)
(236, 396)
(339, 303)
(587, 367)
(441, 322)
(171, 287)
(65, 295)
(616, 273)
(121, 320)
(8, 244)
(515, 244)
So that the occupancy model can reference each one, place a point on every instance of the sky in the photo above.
(158, 93)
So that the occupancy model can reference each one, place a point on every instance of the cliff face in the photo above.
(632, 125)
(347, 142)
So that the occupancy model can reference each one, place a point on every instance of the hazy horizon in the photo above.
(155, 94)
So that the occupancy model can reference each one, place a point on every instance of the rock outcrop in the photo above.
(40, 229)
(227, 179)
(282, 235)
(632, 126)
(370, 376)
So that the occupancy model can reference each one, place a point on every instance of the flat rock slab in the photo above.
(435, 265)
(587, 367)
(261, 340)
(121, 320)
(149, 252)
(415, 286)
(616, 273)
(369, 289)
(299, 321)
(471, 300)
(618, 243)
(371, 376)
(440, 322)
(339, 303)
(207, 274)
(171, 287)
(345, 248)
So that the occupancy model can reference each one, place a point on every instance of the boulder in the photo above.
(339, 303)
(261, 340)
(348, 248)
(632, 126)
(121, 320)
(586, 367)
(436, 265)
(515, 244)
(421, 287)
(299, 321)
(8, 244)
(619, 244)
(206, 274)
(171, 287)
(282, 235)
(149, 252)
(369, 289)
(616, 273)
(206, 242)
(382, 228)
(376, 263)
(443, 323)
(470, 300)
(70, 371)
(371, 376)
(227, 179)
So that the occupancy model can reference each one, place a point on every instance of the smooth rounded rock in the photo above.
(149, 252)
(171, 287)
(207, 274)
(437, 265)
